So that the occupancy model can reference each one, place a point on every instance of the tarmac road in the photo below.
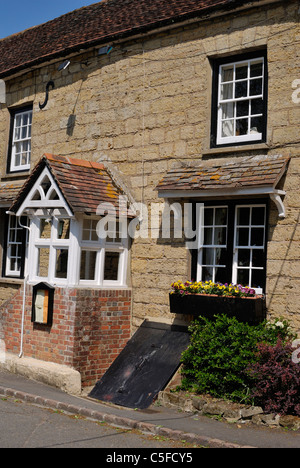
(23, 425)
(159, 421)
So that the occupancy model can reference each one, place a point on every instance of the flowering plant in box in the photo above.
(210, 288)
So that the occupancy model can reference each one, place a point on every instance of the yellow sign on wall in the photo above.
(42, 304)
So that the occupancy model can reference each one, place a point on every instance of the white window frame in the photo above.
(12, 231)
(249, 137)
(21, 140)
(250, 247)
(101, 247)
(236, 247)
(75, 245)
(53, 243)
(213, 245)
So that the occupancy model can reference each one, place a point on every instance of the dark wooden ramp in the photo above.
(144, 367)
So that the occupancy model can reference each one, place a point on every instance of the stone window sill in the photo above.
(4, 281)
(235, 149)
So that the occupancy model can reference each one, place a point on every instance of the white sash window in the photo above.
(16, 247)
(21, 141)
(239, 100)
(249, 246)
(233, 246)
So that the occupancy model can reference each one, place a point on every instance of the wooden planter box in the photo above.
(246, 309)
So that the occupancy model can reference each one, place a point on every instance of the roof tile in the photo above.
(8, 192)
(223, 174)
(95, 24)
(84, 184)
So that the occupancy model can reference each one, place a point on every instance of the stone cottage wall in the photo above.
(147, 106)
(89, 330)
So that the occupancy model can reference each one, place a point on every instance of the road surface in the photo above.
(23, 425)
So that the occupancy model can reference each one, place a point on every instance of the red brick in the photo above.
(88, 340)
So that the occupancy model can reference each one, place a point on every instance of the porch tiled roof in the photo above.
(8, 192)
(84, 184)
(236, 173)
(99, 23)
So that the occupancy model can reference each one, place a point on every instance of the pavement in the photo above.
(157, 420)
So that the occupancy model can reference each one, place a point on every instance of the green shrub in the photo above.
(221, 350)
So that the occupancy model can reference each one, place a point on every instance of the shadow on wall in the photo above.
(276, 286)
(71, 124)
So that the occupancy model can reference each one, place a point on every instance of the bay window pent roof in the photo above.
(76, 185)
(8, 193)
(247, 176)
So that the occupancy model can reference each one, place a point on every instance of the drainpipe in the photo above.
(23, 316)
(24, 290)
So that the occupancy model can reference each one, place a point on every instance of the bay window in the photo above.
(69, 252)
(71, 242)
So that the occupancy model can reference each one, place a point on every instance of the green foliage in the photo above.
(221, 350)
(277, 379)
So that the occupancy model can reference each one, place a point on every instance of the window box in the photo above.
(208, 299)
(246, 309)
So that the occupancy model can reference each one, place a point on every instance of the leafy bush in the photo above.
(277, 379)
(219, 353)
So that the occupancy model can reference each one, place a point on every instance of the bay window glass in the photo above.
(88, 262)
(111, 266)
(61, 263)
(89, 232)
(43, 262)
(45, 229)
(102, 260)
(63, 231)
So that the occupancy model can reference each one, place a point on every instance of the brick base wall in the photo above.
(89, 330)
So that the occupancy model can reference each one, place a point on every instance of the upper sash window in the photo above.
(20, 143)
(239, 101)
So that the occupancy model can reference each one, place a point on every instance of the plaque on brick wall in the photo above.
(42, 304)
